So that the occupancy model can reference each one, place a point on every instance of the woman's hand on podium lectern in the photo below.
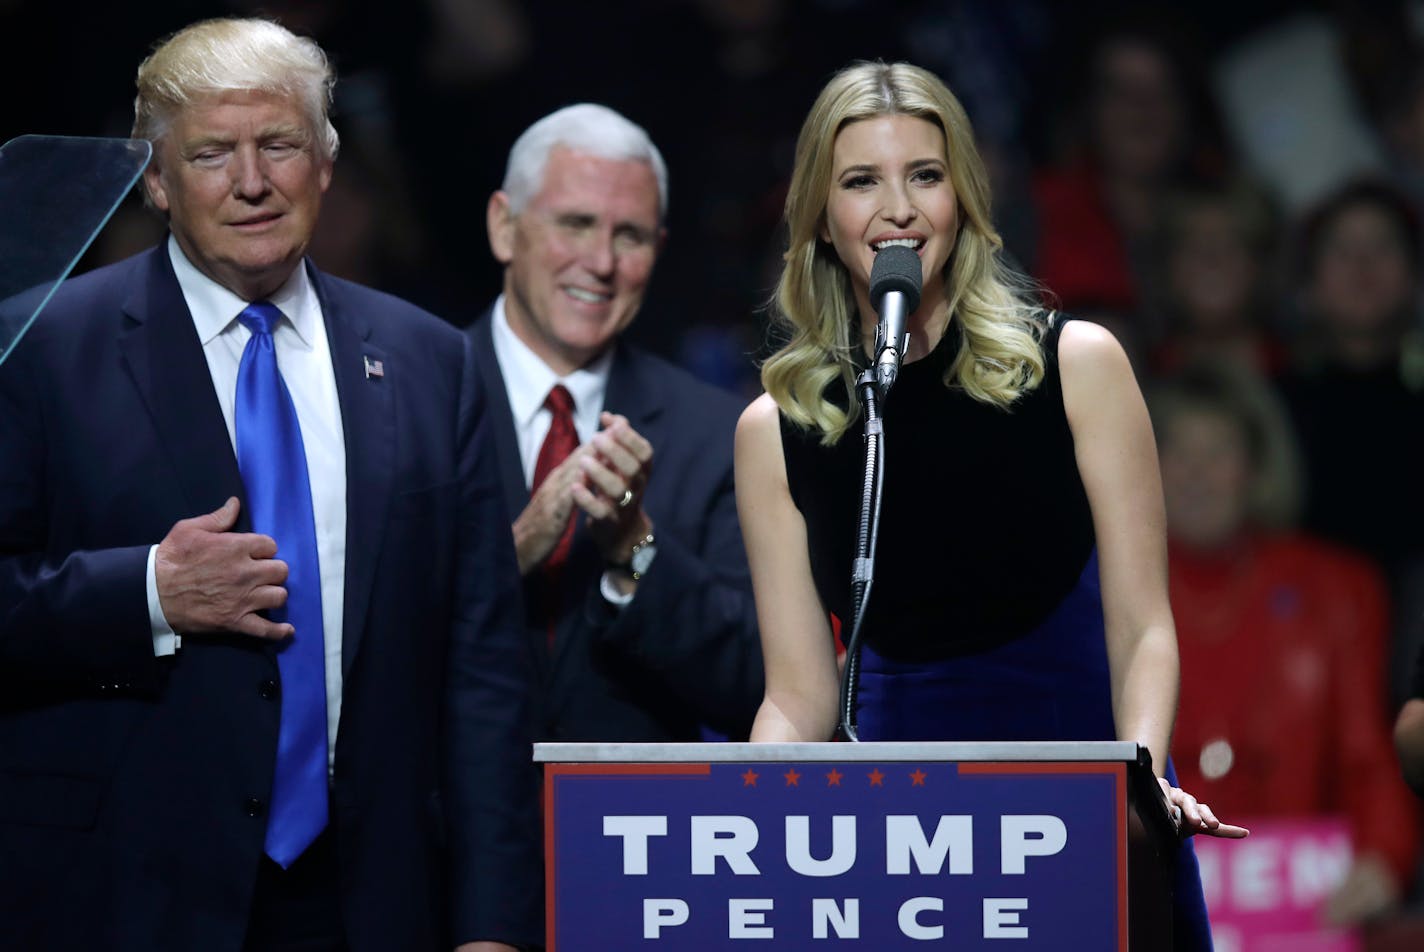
(1192, 817)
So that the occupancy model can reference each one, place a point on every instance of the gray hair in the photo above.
(226, 55)
(587, 128)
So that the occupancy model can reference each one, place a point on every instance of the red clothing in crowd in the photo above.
(1080, 254)
(1257, 351)
(1283, 709)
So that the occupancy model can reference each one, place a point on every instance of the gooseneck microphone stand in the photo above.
(863, 569)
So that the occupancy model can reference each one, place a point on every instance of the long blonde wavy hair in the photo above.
(999, 357)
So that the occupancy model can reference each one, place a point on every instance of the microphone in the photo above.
(895, 280)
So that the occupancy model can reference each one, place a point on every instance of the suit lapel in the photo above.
(164, 356)
(368, 428)
(634, 392)
(511, 467)
(506, 445)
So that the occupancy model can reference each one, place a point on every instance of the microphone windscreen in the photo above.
(896, 268)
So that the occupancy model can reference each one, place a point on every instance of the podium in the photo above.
(1033, 846)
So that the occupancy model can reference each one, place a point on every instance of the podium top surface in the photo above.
(870, 751)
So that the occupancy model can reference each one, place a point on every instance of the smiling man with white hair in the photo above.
(618, 464)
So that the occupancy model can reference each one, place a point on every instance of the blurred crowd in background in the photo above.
(1235, 189)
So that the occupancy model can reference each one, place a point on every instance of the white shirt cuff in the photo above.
(166, 641)
(611, 594)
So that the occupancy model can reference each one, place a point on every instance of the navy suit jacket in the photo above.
(133, 788)
(684, 655)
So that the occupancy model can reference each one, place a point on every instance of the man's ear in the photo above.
(499, 222)
(153, 182)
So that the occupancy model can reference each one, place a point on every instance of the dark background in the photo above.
(431, 93)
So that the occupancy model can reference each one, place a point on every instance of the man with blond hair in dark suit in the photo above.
(265, 685)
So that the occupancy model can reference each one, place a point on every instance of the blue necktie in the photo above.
(274, 471)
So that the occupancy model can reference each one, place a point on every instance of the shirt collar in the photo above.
(528, 379)
(214, 307)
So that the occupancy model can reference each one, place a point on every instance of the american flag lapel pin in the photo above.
(374, 368)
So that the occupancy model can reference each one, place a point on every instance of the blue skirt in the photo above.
(1051, 684)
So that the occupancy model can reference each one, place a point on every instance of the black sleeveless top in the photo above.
(984, 524)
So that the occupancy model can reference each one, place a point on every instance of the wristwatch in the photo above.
(641, 558)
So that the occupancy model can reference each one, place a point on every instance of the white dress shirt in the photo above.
(527, 382)
(304, 359)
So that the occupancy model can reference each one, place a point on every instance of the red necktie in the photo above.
(561, 440)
